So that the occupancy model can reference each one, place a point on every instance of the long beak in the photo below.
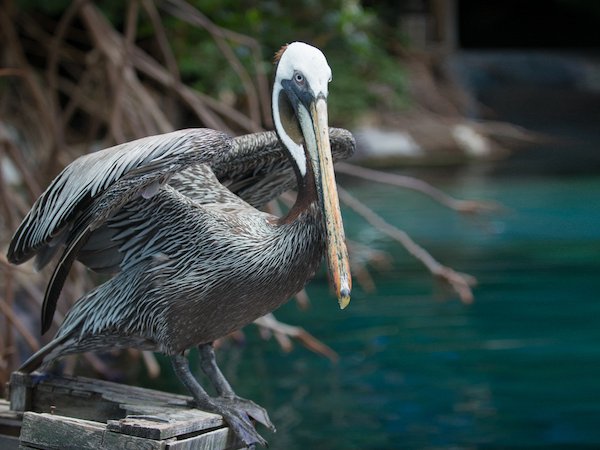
(337, 253)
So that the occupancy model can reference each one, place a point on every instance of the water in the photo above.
(519, 368)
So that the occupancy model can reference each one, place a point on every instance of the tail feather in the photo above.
(45, 355)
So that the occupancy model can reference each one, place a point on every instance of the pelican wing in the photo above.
(254, 172)
(148, 161)
(94, 187)
(258, 170)
(125, 235)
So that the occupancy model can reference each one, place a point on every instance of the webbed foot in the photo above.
(251, 409)
(238, 412)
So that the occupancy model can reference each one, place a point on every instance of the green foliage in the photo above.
(345, 31)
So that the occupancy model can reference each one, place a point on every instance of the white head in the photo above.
(302, 77)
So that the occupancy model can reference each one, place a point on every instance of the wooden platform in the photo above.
(82, 413)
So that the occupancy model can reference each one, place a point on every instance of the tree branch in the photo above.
(415, 184)
(460, 282)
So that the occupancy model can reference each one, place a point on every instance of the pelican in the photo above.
(174, 219)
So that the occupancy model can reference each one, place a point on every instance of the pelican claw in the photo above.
(237, 413)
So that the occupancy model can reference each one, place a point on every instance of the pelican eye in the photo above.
(299, 78)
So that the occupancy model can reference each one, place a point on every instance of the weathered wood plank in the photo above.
(162, 423)
(48, 431)
(87, 413)
(118, 441)
(19, 391)
(212, 440)
(41, 430)
(55, 432)
(81, 397)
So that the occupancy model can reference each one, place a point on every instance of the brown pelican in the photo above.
(193, 261)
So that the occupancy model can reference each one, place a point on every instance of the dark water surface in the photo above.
(519, 368)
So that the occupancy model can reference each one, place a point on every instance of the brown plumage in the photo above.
(194, 260)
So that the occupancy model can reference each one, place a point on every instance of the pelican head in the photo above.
(300, 116)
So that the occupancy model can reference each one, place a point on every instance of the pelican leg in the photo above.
(237, 420)
(208, 363)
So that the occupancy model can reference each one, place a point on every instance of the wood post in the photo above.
(83, 413)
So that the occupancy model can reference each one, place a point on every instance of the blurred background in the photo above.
(496, 104)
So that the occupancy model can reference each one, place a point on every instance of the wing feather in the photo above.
(127, 190)
(258, 170)
(88, 176)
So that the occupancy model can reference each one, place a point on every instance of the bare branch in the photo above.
(284, 331)
(461, 206)
(460, 282)
(186, 12)
(152, 366)
(6, 307)
(165, 48)
(52, 74)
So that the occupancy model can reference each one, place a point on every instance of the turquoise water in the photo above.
(519, 368)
